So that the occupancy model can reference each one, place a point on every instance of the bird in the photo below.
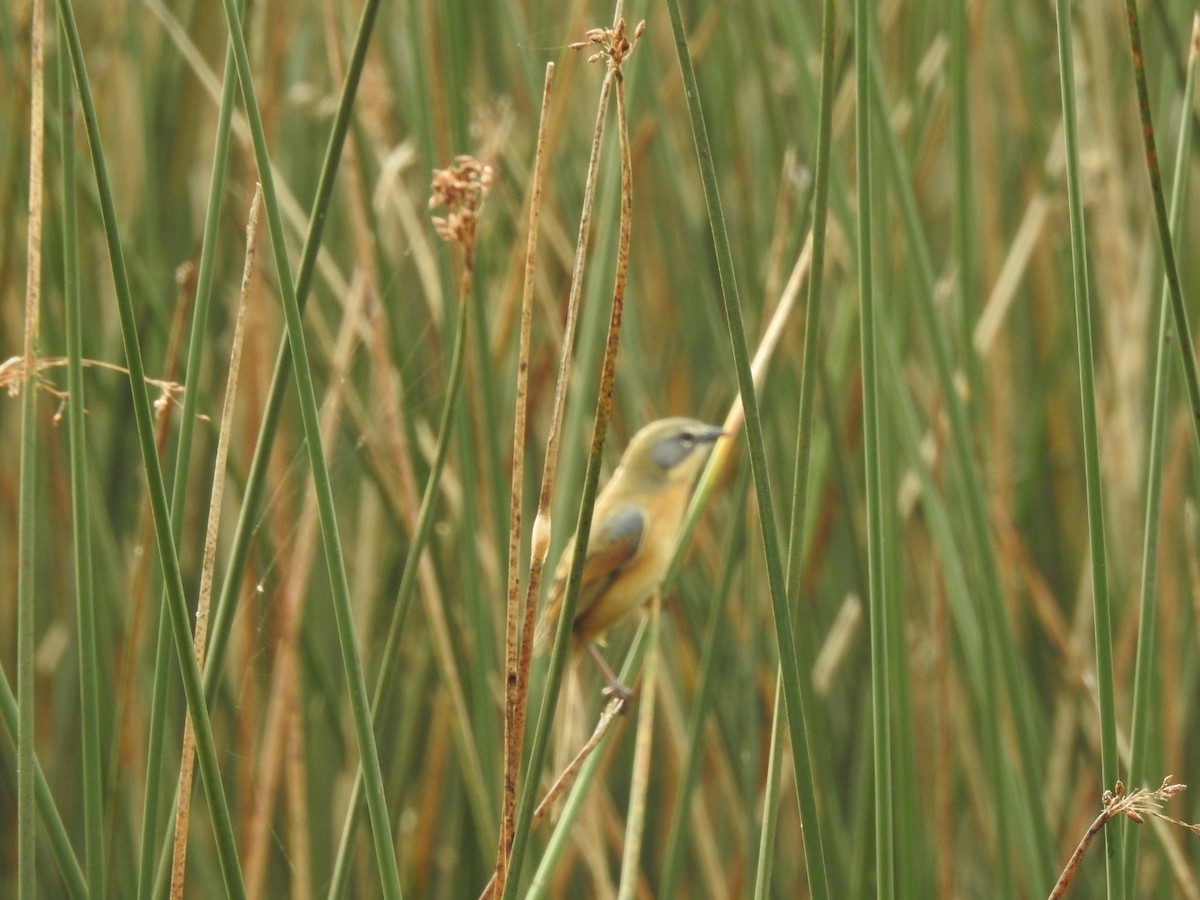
(635, 522)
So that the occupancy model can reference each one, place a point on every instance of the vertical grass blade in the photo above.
(85, 600)
(1145, 668)
(27, 539)
(967, 228)
(60, 841)
(881, 688)
(702, 704)
(183, 453)
(256, 479)
(1109, 769)
(805, 419)
(635, 822)
(794, 690)
(1183, 331)
(176, 606)
(356, 681)
(998, 649)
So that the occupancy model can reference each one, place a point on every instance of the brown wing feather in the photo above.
(610, 552)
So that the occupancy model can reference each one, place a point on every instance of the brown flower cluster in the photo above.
(614, 43)
(461, 189)
(1137, 804)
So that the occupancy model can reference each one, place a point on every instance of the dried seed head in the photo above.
(614, 44)
(461, 189)
(1168, 790)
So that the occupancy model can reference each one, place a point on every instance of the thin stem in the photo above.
(880, 613)
(540, 535)
(187, 763)
(518, 656)
(176, 606)
(1091, 441)
(183, 454)
(27, 539)
(85, 600)
(1183, 332)
(1145, 668)
(794, 690)
(356, 682)
(635, 824)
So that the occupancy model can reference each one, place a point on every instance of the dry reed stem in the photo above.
(611, 713)
(517, 659)
(540, 533)
(542, 525)
(762, 357)
(143, 558)
(1135, 806)
(635, 825)
(26, 630)
(188, 760)
(615, 47)
(1012, 273)
(282, 696)
(13, 369)
(33, 238)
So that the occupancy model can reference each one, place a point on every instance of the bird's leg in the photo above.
(614, 688)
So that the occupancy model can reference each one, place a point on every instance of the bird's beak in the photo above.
(711, 435)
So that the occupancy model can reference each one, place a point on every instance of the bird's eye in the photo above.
(687, 439)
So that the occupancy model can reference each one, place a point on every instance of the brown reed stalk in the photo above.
(26, 630)
(517, 658)
(1135, 806)
(615, 46)
(188, 761)
(127, 656)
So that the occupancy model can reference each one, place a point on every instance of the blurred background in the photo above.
(996, 741)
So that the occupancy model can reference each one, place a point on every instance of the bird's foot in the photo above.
(615, 690)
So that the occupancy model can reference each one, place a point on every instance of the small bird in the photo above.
(634, 525)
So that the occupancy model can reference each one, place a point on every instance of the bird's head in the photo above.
(669, 451)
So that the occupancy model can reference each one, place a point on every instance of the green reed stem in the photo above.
(1109, 765)
(176, 606)
(385, 851)
(794, 690)
(1146, 667)
(85, 598)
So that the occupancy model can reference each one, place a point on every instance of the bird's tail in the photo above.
(571, 730)
(543, 636)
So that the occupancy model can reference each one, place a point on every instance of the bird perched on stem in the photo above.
(634, 525)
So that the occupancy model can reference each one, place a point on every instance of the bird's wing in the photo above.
(610, 551)
(611, 548)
